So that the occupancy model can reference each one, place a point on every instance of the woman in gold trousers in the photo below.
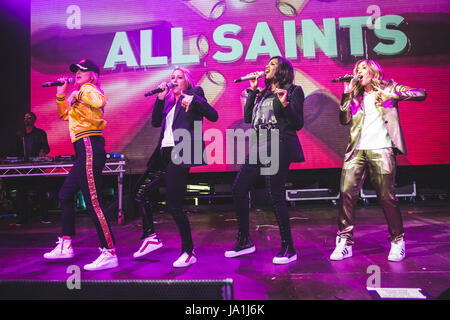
(370, 106)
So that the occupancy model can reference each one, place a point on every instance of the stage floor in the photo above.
(312, 277)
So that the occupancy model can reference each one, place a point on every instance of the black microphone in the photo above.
(250, 76)
(170, 85)
(346, 79)
(57, 83)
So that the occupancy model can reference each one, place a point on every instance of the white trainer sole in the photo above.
(109, 265)
(283, 260)
(152, 248)
(233, 254)
(65, 257)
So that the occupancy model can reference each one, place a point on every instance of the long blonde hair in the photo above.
(190, 81)
(378, 76)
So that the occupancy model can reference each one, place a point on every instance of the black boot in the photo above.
(287, 253)
(243, 246)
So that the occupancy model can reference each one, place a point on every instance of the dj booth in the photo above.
(46, 166)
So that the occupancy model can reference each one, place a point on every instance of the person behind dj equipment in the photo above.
(179, 108)
(84, 109)
(31, 142)
(276, 114)
(370, 107)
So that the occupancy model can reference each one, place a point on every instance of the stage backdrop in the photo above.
(138, 43)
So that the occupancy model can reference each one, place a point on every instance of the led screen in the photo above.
(138, 43)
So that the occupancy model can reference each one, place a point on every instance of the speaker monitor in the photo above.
(118, 290)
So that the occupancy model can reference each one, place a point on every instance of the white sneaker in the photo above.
(185, 260)
(63, 250)
(243, 246)
(398, 252)
(288, 258)
(341, 251)
(106, 260)
(149, 244)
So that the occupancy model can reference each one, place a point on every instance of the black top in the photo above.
(289, 119)
(199, 109)
(29, 144)
(263, 112)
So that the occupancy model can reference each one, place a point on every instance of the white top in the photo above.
(168, 140)
(374, 134)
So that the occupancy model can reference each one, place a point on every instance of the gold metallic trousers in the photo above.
(380, 164)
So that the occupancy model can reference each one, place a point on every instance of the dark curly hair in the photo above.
(284, 74)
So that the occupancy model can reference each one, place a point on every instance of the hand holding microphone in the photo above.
(61, 84)
(58, 83)
(346, 78)
(162, 89)
(252, 77)
(349, 82)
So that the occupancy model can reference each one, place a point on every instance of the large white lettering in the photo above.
(264, 42)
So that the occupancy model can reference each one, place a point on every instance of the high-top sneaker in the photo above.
(185, 260)
(342, 250)
(398, 252)
(243, 246)
(286, 255)
(63, 250)
(106, 260)
(149, 244)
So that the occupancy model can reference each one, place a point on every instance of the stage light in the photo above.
(198, 188)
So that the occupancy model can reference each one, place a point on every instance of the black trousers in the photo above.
(175, 179)
(86, 174)
(275, 188)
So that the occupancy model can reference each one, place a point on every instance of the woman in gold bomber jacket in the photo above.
(370, 106)
(84, 110)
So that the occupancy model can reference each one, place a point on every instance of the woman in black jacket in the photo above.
(276, 114)
(179, 109)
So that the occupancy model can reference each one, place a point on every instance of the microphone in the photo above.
(170, 85)
(346, 79)
(57, 83)
(250, 76)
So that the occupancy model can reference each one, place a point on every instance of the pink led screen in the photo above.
(138, 43)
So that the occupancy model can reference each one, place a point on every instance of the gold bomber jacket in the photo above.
(352, 112)
(86, 113)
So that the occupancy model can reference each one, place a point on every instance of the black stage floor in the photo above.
(312, 277)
